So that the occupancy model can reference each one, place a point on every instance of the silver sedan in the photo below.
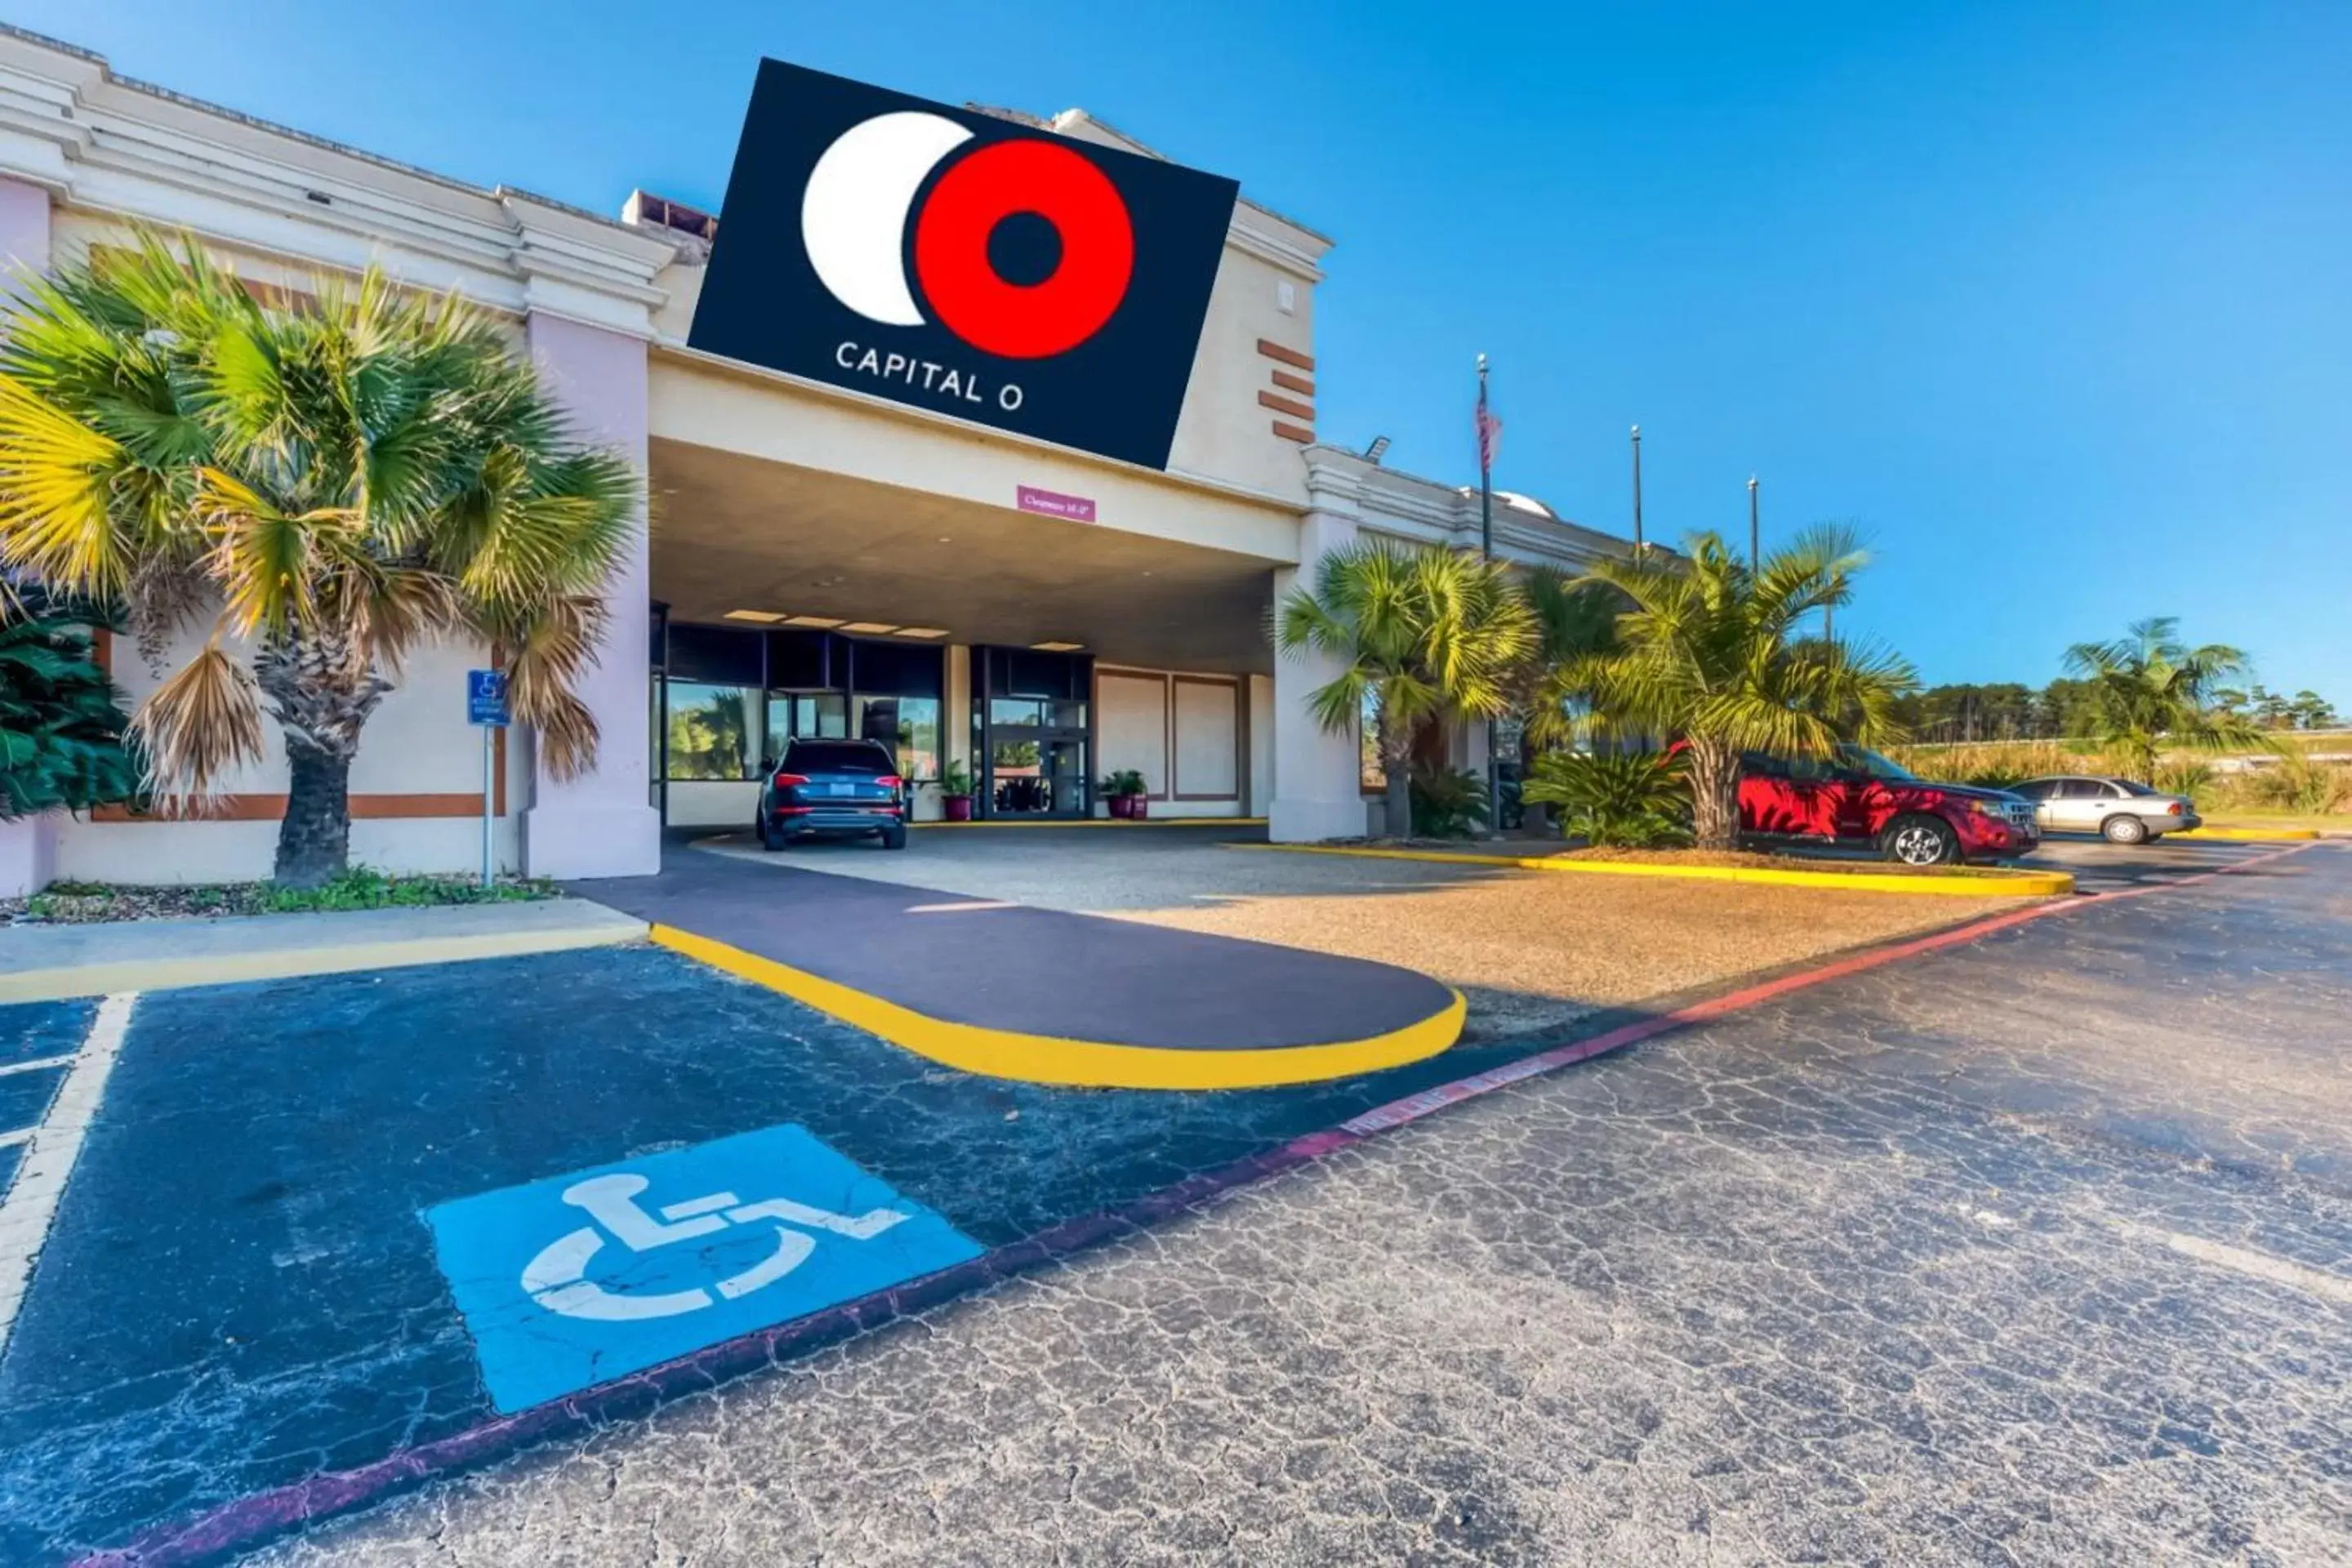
(2123, 811)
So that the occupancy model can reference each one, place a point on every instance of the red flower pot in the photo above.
(1138, 806)
(1119, 804)
(958, 807)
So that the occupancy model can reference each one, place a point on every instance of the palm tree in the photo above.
(1422, 634)
(1577, 617)
(1709, 655)
(329, 484)
(2150, 690)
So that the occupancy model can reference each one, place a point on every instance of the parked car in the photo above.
(2123, 811)
(1857, 796)
(832, 789)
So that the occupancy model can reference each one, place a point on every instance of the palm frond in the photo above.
(200, 725)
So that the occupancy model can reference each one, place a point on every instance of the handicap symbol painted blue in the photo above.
(580, 1279)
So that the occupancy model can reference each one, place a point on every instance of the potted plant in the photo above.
(1126, 793)
(955, 792)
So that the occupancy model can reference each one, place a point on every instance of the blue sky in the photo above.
(2051, 298)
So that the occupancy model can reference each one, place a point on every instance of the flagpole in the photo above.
(1755, 555)
(1487, 553)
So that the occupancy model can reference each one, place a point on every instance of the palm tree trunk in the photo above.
(314, 841)
(1398, 801)
(1715, 795)
(321, 690)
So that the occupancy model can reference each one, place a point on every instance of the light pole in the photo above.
(1487, 553)
(1755, 552)
(1637, 490)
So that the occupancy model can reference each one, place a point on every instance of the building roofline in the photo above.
(324, 144)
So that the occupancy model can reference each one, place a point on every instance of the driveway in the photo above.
(2033, 1249)
(1531, 952)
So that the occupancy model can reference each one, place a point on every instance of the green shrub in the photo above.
(2294, 782)
(2192, 779)
(61, 741)
(1635, 800)
(1448, 804)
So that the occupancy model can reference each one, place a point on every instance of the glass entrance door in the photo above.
(1033, 732)
(1035, 772)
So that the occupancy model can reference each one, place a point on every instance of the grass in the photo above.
(361, 887)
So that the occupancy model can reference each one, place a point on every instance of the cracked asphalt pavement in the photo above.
(2037, 1249)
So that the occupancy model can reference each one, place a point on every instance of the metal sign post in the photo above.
(485, 709)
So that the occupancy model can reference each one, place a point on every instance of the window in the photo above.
(1037, 712)
(837, 757)
(1372, 774)
(2035, 789)
(2079, 789)
(712, 731)
(794, 714)
(909, 726)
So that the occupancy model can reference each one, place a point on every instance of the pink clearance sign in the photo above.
(1051, 503)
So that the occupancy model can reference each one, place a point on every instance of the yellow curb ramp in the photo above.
(1082, 1064)
(1103, 822)
(1998, 883)
(2252, 835)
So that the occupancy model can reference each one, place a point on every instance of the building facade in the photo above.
(812, 560)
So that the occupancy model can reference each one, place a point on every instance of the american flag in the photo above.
(1490, 432)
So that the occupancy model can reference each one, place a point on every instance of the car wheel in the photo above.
(2123, 827)
(772, 836)
(1920, 841)
(894, 837)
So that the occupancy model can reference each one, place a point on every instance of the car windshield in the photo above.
(837, 757)
(1863, 759)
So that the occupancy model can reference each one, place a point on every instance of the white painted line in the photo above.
(958, 909)
(35, 1065)
(10, 1140)
(32, 1200)
(2260, 1265)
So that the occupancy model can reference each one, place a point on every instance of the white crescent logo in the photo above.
(854, 213)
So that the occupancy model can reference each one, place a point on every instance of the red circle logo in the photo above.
(1024, 320)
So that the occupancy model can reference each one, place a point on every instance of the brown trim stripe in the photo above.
(1292, 433)
(1273, 350)
(1289, 406)
(1289, 383)
(271, 807)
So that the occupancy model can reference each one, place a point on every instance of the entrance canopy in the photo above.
(739, 533)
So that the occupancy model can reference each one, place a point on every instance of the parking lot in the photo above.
(2033, 1249)
(281, 1279)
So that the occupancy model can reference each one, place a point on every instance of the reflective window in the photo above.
(713, 731)
(1371, 774)
(909, 726)
(814, 714)
(1038, 712)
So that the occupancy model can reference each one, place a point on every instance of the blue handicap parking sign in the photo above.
(580, 1279)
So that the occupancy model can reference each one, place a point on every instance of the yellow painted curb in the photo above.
(1108, 822)
(1981, 884)
(290, 964)
(1091, 1064)
(2252, 835)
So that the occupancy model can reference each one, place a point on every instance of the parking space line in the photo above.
(2242, 1260)
(35, 1065)
(56, 1144)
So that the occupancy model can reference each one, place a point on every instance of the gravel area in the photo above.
(1535, 951)
(1531, 950)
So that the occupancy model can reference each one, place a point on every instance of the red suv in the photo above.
(1859, 797)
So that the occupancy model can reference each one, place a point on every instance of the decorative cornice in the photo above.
(121, 148)
(1343, 483)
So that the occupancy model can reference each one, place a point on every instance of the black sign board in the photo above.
(955, 261)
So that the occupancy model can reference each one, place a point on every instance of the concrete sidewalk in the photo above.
(42, 964)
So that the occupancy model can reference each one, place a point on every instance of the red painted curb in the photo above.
(248, 1521)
